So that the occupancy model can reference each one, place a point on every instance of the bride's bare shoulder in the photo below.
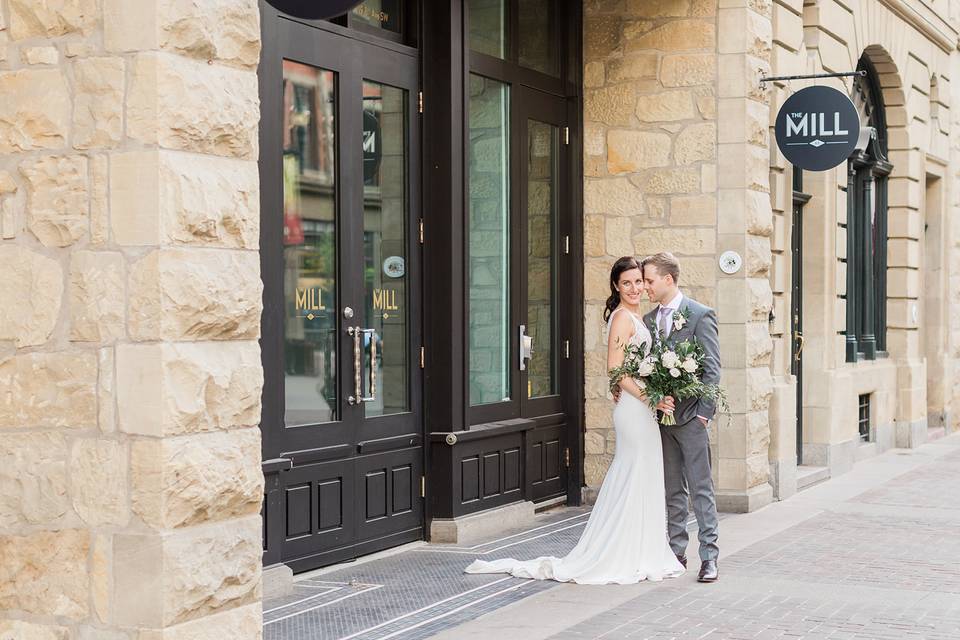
(620, 323)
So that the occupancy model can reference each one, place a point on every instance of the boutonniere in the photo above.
(680, 318)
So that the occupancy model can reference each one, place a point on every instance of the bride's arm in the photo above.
(621, 330)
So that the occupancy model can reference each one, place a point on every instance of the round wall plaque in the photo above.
(730, 262)
(817, 128)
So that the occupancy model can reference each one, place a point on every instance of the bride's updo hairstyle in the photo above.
(622, 264)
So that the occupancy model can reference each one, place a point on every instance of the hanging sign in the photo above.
(314, 9)
(817, 128)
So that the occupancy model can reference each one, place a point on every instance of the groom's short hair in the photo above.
(665, 263)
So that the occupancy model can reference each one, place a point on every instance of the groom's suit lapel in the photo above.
(679, 335)
(676, 335)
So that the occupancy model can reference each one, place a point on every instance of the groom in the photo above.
(686, 446)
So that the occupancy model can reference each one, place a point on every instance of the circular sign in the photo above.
(730, 262)
(393, 267)
(314, 9)
(817, 128)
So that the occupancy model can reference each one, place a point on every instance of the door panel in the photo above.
(544, 222)
(319, 508)
(391, 482)
(350, 288)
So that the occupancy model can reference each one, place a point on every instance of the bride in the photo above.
(625, 540)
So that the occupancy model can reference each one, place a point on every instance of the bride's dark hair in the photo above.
(626, 263)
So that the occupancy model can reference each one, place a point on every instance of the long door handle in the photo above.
(358, 369)
(798, 336)
(357, 380)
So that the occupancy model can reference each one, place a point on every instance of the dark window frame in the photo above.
(864, 417)
(522, 80)
(867, 180)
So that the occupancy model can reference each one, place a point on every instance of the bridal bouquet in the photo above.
(638, 364)
(667, 370)
(676, 373)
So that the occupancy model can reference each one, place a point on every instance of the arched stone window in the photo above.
(867, 172)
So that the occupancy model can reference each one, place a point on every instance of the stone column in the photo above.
(129, 365)
(785, 59)
(744, 299)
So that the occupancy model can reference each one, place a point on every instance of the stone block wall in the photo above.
(679, 155)
(650, 165)
(915, 59)
(745, 298)
(130, 373)
(676, 158)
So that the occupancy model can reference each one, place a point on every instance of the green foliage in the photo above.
(668, 370)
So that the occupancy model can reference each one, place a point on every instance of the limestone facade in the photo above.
(679, 155)
(913, 46)
(130, 371)
(130, 374)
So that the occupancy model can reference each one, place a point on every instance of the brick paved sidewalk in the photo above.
(873, 554)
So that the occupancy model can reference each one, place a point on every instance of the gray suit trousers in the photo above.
(686, 457)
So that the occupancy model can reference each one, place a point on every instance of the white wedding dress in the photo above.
(625, 540)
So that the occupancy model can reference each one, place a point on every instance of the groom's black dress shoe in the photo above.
(682, 560)
(708, 571)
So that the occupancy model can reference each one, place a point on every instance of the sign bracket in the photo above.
(843, 74)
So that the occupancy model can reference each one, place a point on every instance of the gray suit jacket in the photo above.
(702, 325)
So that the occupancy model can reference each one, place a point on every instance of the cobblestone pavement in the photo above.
(882, 564)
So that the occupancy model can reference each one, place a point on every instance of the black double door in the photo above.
(342, 304)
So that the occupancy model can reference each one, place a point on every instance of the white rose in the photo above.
(645, 368)
(675, 372)
(689, 365)
(669, 359)
(679, 322)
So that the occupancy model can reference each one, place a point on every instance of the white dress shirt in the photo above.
(668, 310)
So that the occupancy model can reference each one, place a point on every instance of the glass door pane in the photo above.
(489, 242)
(310, 244)
(542, 143)
(488, 27)
(385, 348)
(538, 36)
(382, 14)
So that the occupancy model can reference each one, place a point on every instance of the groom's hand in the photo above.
(703, 420)
(666, 405)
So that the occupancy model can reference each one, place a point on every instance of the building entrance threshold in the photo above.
(418, 591)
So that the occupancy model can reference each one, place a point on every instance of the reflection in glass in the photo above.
(383, 14)
(542, 141)
(488, 27)
(489, 241)
(309, 238)
(538, 46)
(384, 248)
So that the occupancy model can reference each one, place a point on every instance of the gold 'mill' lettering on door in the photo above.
(385, 300)
(310, 299)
